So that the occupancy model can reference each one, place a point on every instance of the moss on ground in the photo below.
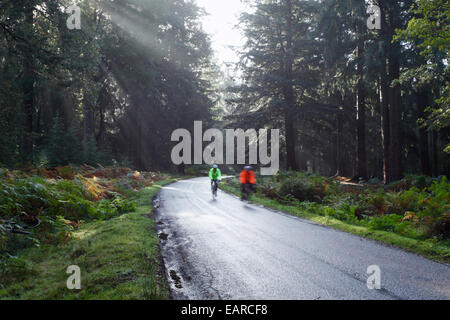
(119, 259)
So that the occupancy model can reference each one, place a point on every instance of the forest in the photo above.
(359, 91)
(351, 101)
(109, 91)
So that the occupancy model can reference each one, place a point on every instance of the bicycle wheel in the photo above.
(214, 190)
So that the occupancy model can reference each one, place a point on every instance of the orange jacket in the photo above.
(248, 177)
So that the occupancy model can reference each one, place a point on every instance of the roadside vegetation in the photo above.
(413, 214)
(99, 219)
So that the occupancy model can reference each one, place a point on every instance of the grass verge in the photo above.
(119, 259)
(428, 249)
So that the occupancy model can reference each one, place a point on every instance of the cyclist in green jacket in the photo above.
(215, 175)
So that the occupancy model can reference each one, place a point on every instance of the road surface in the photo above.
(227, 249)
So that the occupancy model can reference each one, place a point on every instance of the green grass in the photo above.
(429, 248)
(119, 259)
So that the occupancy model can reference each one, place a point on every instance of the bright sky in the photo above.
(223, 16)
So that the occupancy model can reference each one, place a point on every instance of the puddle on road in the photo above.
(176, 279)
(163, 236)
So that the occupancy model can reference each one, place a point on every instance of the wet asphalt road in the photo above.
(227, 249)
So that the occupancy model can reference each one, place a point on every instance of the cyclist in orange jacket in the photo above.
(248, 181)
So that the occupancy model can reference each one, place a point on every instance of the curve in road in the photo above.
(227, 249)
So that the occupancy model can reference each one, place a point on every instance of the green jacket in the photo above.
(215, 175)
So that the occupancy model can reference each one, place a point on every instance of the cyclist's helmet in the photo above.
(248, 168)
(215, 167)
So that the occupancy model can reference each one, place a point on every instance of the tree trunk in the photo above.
(395, 102)
(88, 121)
(102, 102)
(339, 144)
(435, 153)
(395, 98)
(303, 162)
(101, 129)
(385, 124)
(181, 168)
(28, 92)
(334, 154)
(384, 95)
(422, 103)
(361, 158)
(289, 95)
(291, 162)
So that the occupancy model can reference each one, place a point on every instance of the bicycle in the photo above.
(214, 188)
(246, 191)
